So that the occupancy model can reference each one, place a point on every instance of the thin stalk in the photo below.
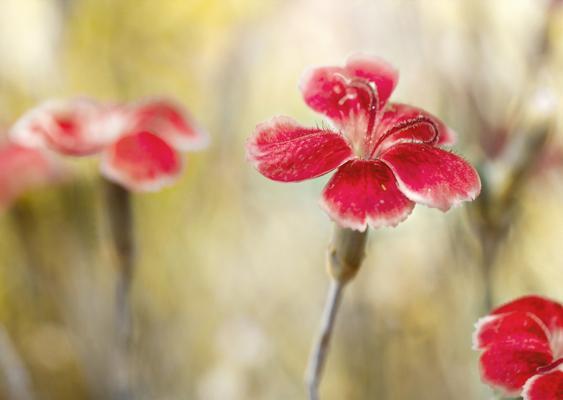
(317, 359)
(118, 201)
(345, 257)
(24, 228)
(120, 215)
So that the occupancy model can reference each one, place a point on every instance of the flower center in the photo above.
(356, 90)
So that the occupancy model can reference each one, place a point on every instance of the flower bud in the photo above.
(346, 253)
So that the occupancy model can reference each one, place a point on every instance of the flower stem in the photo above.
(120, 215)
(317, 358)
(121, 228)
(345, 257)
(25, 229)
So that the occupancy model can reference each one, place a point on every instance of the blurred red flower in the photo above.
(387, 155)
(23, 169)
(522, 345)
(139, 142)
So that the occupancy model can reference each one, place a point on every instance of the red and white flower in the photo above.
(172, 122)
(23, 169)
(387, 155)
(139, 143)
(522, 348)
(77, 127)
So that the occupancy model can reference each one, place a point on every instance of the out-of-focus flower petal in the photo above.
(548, 311)
(432, 176)
(544, 387)
(24, 168)
(352, 95)
(365, 192)
(141, 162)
(170, 121)
(522, 342)
(512, 326)
(508, 365)
(75, 127)
(402, 123)
(283, 150)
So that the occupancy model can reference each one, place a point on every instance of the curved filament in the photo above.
(405, 125)
(371, 90)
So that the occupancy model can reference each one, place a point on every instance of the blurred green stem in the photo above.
(120, 215)
(119, 209)
(24, 227)
(345, 257)
(489, 245)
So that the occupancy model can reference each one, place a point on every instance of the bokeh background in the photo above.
(230, 276)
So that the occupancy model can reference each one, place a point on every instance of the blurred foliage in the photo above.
(230, 275)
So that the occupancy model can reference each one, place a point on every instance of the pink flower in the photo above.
(172, 122)
(387, 156)
(522, 345)
(77, 127)
(139, 144)
(23, 169)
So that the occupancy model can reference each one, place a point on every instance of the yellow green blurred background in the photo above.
(230, 275)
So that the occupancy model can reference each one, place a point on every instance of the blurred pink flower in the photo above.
(77, 127)
(139, 143)
(23, 169)
(171, 121)
(387, 155)
(522, 344)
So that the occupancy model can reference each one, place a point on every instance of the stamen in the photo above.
(373, 101)
(408, 124)
(369, 88)
(346, 97)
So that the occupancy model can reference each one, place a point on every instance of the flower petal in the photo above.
(24, 168)
(404, 123)
(365, 192)
(141, 162)
(508, 365)
(510, 327)
(352, 95)
(75, 127)
(520, 339)
(544, 387)
(282, 150)
(432, 176)
(170, 121)
(548, 311)
(376, 70)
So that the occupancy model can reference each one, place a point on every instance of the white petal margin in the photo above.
(22, 131)
(479, 327)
